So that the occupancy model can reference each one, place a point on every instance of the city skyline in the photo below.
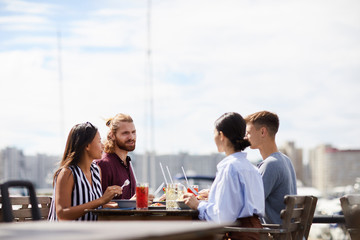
(297, 59)
(252, 154)
(318, 173)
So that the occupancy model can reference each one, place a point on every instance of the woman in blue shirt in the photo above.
(237, 193)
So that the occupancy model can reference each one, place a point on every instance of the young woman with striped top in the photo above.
(77, 183)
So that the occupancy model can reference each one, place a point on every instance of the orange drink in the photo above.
(195, 187)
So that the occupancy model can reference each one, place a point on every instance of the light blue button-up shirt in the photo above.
(236, 192)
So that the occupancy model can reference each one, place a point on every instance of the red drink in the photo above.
(195, 187)
(142, 196)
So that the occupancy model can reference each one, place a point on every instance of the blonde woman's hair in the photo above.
(113, 124)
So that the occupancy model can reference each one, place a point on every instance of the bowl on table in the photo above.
(125, 203)
(182, 205)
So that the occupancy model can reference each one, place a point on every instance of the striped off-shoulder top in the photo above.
(82, 193)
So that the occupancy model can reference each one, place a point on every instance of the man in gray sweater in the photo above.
(276, 168)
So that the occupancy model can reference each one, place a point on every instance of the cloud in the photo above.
(26, 7)
(24, 23)
(300, 60)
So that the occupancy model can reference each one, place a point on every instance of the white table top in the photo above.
(40, 230)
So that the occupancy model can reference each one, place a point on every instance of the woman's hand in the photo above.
(110, 193)
(162, 198)
(191, 201)
(203, 194)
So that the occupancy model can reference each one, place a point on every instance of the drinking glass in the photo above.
(181, 191)
(171, 196)
(195, 187)
(142, 196)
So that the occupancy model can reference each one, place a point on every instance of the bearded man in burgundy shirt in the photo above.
(115, 163)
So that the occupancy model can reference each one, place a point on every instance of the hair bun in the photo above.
(241, 144)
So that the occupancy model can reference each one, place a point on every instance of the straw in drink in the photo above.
(142, 196)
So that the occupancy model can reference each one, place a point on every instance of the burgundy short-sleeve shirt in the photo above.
(114, 172)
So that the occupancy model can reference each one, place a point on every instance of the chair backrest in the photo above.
(311, 216)
(22, 211)
(350, 205)
(297, 216)
(7, 209)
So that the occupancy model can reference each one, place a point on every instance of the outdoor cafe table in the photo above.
(151, 214)
(132, 230)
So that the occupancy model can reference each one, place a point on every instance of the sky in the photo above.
(66, 62)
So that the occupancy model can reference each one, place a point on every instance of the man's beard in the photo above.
(122, 145)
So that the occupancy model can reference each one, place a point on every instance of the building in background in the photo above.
(328, 170)
(41, 168)
(296, 156)
(333, 169)
(204, 165)
(12, 164)
(38, 169)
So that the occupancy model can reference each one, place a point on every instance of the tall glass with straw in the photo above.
(142, 193)
(194, 189)
(171, 194)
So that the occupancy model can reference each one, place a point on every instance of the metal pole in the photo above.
(61, 93)
(152, 117)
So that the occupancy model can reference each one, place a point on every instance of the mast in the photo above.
(61, 93)
(149, 151)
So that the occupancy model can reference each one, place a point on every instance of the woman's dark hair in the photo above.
(233, 127)
(79, 137)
